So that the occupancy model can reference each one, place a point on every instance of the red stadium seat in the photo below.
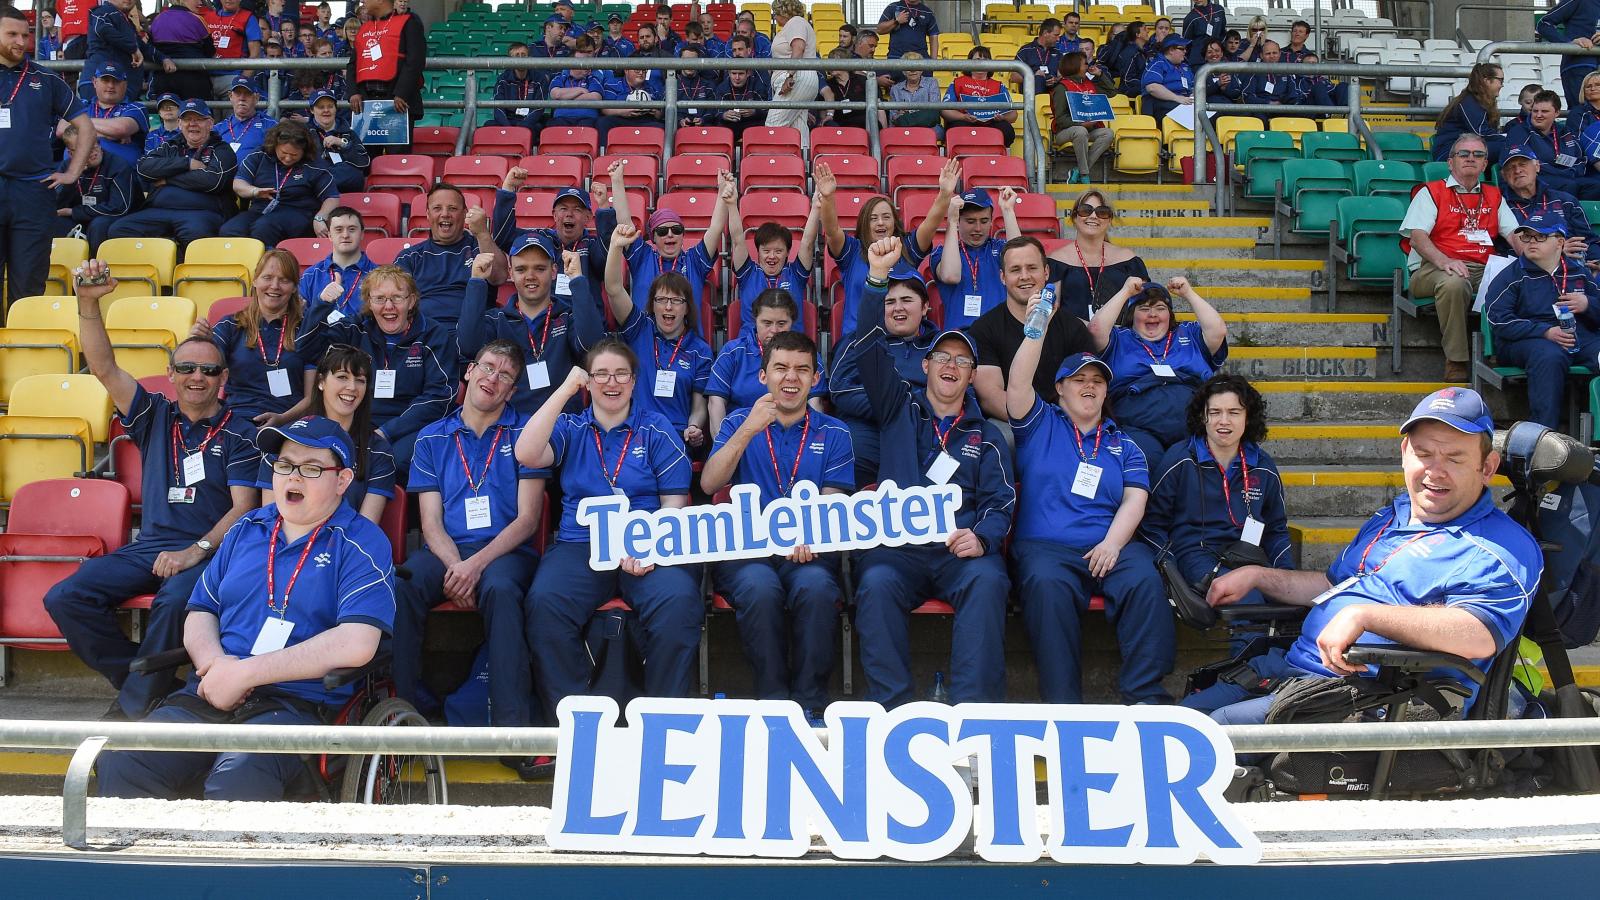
(914, 207)
(914, 141)
(642, 140)
(852, 170)
(403, 175)
(53, 526)
(846, 141)
(498, 140)
(308, 251)
(1036, 215)
(772, 172)
(694, 172)
(913, 171)
(569, 141)
(640, 174)
(435, 140)
(787, 209)
(757, 141)
(848, 205)
(993, 172)
(960, 142)
(552, 173)
(703, 140)
(384, 250)
(535, 210)
(475, 171)
(695, 207)
(393, 523)
(380, 213)
(227, 306)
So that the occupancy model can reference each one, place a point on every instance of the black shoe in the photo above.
(116, 713)
(531, 768)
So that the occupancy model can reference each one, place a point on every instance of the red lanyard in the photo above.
(86, 191)
(261, 344)
(95, 112)
(1476, 211)
(21, 77)
(1361, 567)
(673, 264)
(772, 454)
(655, 347)
(1227, 497)
(600, 454)
(272, 565)
(972, 266)
(1165, 350)
(1099, 431)
(178, 442)
(231, 127)
(278, 193)
(355, 283)
(487, 461)
(544, 336)
(944, 436)
(1085, 260)
(1565, 283)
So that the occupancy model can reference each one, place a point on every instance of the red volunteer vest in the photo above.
(1462, 217)
(378, 46)
(74, 16)
(227, 32)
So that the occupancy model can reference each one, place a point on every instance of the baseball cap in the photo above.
(572, 193)
(197, 107)
(243, 81)
(955, 333)
(1173, 41)
(1546, 223)
(319, 432)
(321, 95)
(555, 19)
(535, 239)
(1460, 408)
(110, 70)
(1073, 364)
(174, 99)
(976, 199)
(1519, 151)
(614, 18)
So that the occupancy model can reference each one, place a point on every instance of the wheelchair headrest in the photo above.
(1530, 451)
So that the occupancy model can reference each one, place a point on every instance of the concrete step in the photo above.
(1238, 271)
(1320, 401)
(1304, 329)
(1323, 443)
(1241, 227)
(1319, 540)
(1230, 298)
(1129, 211)
(1311, 363)
(1124, 191)
(1237, 248)
(1350, 491)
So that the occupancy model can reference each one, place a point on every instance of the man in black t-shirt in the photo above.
(998, 332)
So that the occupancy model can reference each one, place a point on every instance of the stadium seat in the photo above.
(54, 525)
(848, 205)
(66, 254)
(894, 142)
(35, 351)
(1366, 240)
(500, 140)
(914, 208)
(310, 251)
(393, 523)
(959, 142)
(140, 265)
(1384, 177)
(78, 395)
(144, 330)
(46, 312)
(1341, 147)
(1229, 127)
(1309, 191)
(1036, 216)
(402, 175)
(852, 170)
(380, 213)
(694, 206)
(1295, 126)
(993, 173)
(703, 140)
(383, 250)
(1137, 145)
(36, 448)
(1402, 146)
(694, 172)
(435, 140)
(639, 175)
(772, 172)
(642, 140)
(535, 210)
(784, 207)
(770, 141)
(569, 141)
(913, 172)
(1260, 156)
(213, 267)
(552, 173)
(477, 171)
(227, 306)
(842, 141)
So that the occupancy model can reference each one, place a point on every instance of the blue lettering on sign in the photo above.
(752, 778)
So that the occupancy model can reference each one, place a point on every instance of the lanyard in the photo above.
(544, 335)
(673, 264)
(272, 565)
(1476, 211)
(178, 441)
(95, 112)
(1565, 283)
(772, 454)
(600, 454)
(655, 347)
(1361, 567)
(972, 265)
(93, 181)
(261, 344)
(1165, 350)
(1227, 497)
(355, 283)
(1099, 431)
(944, 436)
(277, 193)
(238, 122)
(21, 77)
(1085, 260)
(1544, 206)
(488, 460)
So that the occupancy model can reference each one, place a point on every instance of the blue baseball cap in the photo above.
(955, 333)
(246, 82)
(1460, 408)
(321, 95)
(1073, 364)
(556, 19)
(614, 18)
(1521, 151)
(535, 238)
(319, 432)
(110, 70)
(1172, 41)
(572, 193)
(977, 199)
(174, 99)
(196, 107)
(1551, 222)
(1151, 293)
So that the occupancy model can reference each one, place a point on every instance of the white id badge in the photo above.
(666, 382)
(1477, 236)
(5, 118)
(972, 305)
(1162, 370)
(180, 495)
(521, 111)
(1251, 534)
(335, 158)
(478, 513)
(538, 375)
(1087, 481)
(374, 52)
(91, 201)
(1566, 160)
(224, 41)
(278, 382)
(194, 468)
(274, 636)
(383, 384)
(564, 285)
(1328, 594)
(1551, 501)
(334, 317)
(943, 469)
(1267, 86)
(235, 145)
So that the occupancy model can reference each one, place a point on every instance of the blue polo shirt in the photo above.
(378, 477)
(689, 355)
(794, 277)
(736, 373)
(1519, 303)
(816, 449)
(250, 365)
(348, 577)
(643, 457)
(42, 100)
(575, 115)
(1482, 562)
(1131, 359)
(132, 148)
(645, 263)
(914, 34)
(301, 187)
(852, 263)
(556, 336)
(317, 277)
(191, 509)
(980, 277)
(1178, 79)
(244, 135)
(1048, 462)
(159, 135)
(445, 451)
(441, 273)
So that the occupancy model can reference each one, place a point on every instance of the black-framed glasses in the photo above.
(670, 301)
(941, 358)
(665, 230)
(210, 370)
(1099, 212)
(281, 466)
(1534, 237)
(1471, 154)
(621, 376)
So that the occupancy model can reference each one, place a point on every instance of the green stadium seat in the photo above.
(1591, 209)
(1435, 171)
(1367, 241)
(1260, 154)
(1382, 177)
(1402, 146)
(1334, 145)
(1309, 192)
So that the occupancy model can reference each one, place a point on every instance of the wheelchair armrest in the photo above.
(1262, 612)
(1406, 660)
(160, 662)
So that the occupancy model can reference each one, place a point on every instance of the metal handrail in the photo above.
(1532, 48)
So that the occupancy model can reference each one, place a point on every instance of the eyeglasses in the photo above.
(1471, 154)
(502, 377)
(210, 370)
(1099, 212)
(281, 466)
(671, 301)
(941, 358)
(621, 376)
(391, 301)
(665, 230)
(1534, 237)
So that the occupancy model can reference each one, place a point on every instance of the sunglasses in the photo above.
(1471, 154)
(1099, 212)
(210, 370)
(666, 230)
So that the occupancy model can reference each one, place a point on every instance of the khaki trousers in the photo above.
(1452, 298)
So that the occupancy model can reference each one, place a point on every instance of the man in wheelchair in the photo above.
(1440, 569)
(297, 589)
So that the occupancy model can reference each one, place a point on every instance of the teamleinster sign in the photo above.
(889, 516)
(751, 778)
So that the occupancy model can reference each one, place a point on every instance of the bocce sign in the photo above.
(1139, 784)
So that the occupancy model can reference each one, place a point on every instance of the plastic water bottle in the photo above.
(1569, 325)
(939, 694)
(1033, 328)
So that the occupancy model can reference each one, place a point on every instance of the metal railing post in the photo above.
(274, 92)
(670, 96)
(469, 113)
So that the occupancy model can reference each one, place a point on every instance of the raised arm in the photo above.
(93, 340)
(829, 213)
(949, 269)
(622, 237)
(533, 445)
(1009, 199)
(619, 192)
(1211, 325)
(1019, 381)
(949, 179)
(470, 329)
(1105, 319)
(722, 465)
(727, 194)
(728, 202)
(808, 234)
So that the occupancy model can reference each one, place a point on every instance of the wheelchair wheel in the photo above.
(393, 778)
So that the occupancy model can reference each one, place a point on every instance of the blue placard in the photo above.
(1089, 107)
(380, 125)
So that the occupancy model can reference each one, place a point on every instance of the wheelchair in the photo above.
(377, 778)
(1414, 685)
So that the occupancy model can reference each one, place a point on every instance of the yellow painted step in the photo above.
(1313, 534)
(1332, 432)
(1301, 318)
(1130, 188)
(1357, 478)
(1237, 353)
(1257, 265)
(1419, 388)
(1196, 243)
(1198, 222)
(1125, 206)
(457, 771)
(1254, 293)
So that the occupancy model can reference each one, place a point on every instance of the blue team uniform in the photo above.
(980, 279)
(129, 149)
(159, 135)
(553, 341)
(351, 582)
(1202, 24)
(852, 263)
(113, 38)
(84, 605)
(1563, 162)
(1518, 305)
(914, 34)
(523, 86)
(1563, 23)
(1152, 406)
(794, 277)
(101, 194)
(850, 398)
(190, 204)
(780, 604)
(423, 358)
(316, 278)
(592, 245)
(643, 458)
(41, 99)
(688, 355)
(570, 115)
(267, 375)
(736, 374)
(1546, 201)
(244, 136)
(1045, 63)
(1469, 117)
(466, 469)
(441, 273)
(350, 163)
(301, 191)
(1270, 89)
(1179, 79)
(645, 263)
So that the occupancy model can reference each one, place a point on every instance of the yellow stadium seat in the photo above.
(1336, 125)
(35, 351)
(1139, 10)
(1228, 126)
(71, 396)
(142, 265)
(954, 46)
(217, 267)
(881, 51)
(141, 352)
(1121, 105)
(66, 254)
(45, 312)
(1295, 125)
(175, 315)
(1179, 142)
(35, 448)
(1138, 145)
